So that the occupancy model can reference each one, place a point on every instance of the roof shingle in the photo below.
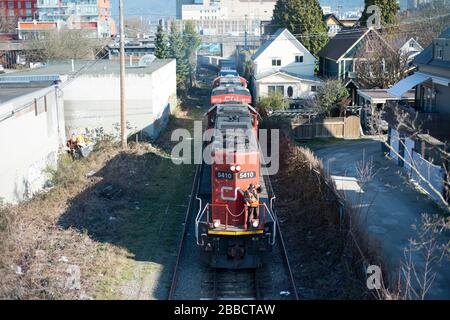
(340, 43)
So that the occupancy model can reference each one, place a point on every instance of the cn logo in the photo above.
(230, 98)
(374, 279)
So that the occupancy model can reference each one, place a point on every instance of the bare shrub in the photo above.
(327, 238)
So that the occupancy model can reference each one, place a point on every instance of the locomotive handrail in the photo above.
(199, 216)
(201, 213)
(274, 225)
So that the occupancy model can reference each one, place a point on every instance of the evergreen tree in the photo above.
(192, 42)
(303, 18)
(388, 12)
(161, 44)
(178, 52)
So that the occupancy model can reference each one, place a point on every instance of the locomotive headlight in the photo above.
(233, 168)
(255, 223)
(238, 168)
(216, 223)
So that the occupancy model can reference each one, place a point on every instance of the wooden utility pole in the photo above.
(123, 121)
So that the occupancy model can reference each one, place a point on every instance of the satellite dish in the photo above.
(146, 60)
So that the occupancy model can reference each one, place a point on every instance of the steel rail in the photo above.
(283, 248)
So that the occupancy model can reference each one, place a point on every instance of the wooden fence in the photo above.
(348, 128)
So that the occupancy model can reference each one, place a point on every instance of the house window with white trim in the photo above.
(299, 59)
(275, 89)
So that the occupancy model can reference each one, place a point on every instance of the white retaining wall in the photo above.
(29, 143)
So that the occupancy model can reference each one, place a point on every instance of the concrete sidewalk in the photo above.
(389, 204)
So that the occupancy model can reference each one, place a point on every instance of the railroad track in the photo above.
(217, 284)
(232, 285)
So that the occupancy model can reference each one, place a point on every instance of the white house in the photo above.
(282, 64)
(411, 48)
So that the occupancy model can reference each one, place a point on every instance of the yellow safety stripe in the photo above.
(235, 233)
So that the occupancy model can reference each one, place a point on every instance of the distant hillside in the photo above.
(345, 4)
(153, 9)
(351, 4)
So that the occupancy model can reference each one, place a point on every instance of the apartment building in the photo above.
(77, 14)
(225, 9)
(18, 9)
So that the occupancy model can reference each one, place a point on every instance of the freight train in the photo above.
(228, 238)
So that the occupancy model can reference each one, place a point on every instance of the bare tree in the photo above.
(135, 26)
(415, 281)
(426, 23)
(7, 24)
(378, 64)
(63, 44)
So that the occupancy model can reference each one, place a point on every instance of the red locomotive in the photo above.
(230, 237)
(230, 93)
(229, 80)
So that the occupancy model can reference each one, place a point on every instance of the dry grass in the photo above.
(330, 251)
(38, 256)
(70, 231)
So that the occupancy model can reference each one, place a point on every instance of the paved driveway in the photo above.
(389, 205)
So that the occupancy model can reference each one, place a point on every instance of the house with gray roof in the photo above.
(426, 141)
(283, 65)
(338, 58)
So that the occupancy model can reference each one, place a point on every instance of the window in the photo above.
(299, 59)
(290, 92)
(313, 88)
(427, 99)
(411, 44)
(276, 89)
(276, 62)
(438, 52)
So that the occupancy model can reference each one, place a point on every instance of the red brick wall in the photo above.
(18, 8)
